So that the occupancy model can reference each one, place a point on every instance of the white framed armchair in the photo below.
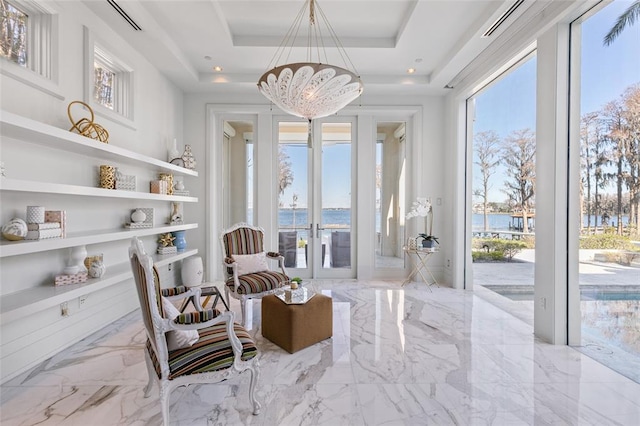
(220, 349)
(246, 265)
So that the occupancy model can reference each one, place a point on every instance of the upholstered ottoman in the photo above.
(294, 327)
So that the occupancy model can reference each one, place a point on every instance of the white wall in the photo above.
(158, 113)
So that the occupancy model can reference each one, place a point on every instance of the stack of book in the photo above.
(52, 227)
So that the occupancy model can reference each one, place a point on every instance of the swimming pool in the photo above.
(524, 293)
(610, 323)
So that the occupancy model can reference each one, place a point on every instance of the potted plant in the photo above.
(422, 207)
(428, 241)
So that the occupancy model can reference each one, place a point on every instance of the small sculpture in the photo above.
(187, 157)
(166, 240)
(97, 269)
(176, 213)
(15, 229)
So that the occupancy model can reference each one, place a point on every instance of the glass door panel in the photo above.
(238, 171)
(293, 195)
(335, 203)
(315, 198)
(390, 194)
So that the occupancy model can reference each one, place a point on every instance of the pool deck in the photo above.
(600, 276)
(521, 272)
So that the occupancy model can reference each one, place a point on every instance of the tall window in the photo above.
(503, 144)
(609, 192)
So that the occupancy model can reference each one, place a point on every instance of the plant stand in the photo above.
(418, 258)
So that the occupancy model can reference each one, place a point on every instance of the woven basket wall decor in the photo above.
(86, 126)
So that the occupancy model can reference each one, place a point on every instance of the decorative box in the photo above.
(64, 279)
(159, 187)
(168, 250)
(126, 182)
(57, 216)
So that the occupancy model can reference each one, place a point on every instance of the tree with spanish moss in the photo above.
(486, 146)
(285, 174)
(519, 154)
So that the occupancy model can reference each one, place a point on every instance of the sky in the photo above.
(336, 175)
(509, 103)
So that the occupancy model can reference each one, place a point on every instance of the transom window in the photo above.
(104, 80)
(29, 40)
(109, 82)
(13, 45)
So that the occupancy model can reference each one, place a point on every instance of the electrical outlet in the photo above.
(82, 301)
(169, 266)
(64, 309)
(448, 263)
(543, 302)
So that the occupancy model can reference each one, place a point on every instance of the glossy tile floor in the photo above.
(398, 356)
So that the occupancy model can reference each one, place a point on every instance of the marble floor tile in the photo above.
(398, 356)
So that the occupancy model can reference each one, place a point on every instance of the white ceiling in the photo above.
(383, 38)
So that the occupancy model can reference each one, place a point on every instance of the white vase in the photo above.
(75, 262)
(172, 151)
(192, 271)
(138, 216)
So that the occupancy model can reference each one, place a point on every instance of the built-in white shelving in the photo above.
(15, 248)
(22, 135)
(28, 130)
(18, 185)
(16, 305)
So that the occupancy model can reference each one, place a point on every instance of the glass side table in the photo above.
(207, 290)
(298, 296)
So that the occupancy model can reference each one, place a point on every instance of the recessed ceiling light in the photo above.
(411, 70)
(217, 68)
(208, 58)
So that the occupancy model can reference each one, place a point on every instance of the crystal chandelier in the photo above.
(310, 89)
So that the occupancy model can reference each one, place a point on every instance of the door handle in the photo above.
(318, 229)
(311, 230)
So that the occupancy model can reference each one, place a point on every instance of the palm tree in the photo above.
(628, 17)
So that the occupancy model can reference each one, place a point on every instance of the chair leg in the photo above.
(243, 310)
(255, 375)
(165, 393)
(150, 372)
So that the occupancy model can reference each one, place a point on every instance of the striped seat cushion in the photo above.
(258, 282)
(211, 352)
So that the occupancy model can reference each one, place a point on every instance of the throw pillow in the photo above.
(177, 339)
(251, 263)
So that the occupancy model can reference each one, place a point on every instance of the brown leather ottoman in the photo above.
(295, 327)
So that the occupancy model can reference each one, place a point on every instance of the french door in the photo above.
(316, 200)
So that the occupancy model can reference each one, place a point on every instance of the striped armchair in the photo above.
(223, 348)
(242, 242)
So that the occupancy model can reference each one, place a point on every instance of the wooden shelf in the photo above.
(63, 189)
(15, 248)
(27, 302)
(17, 127)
